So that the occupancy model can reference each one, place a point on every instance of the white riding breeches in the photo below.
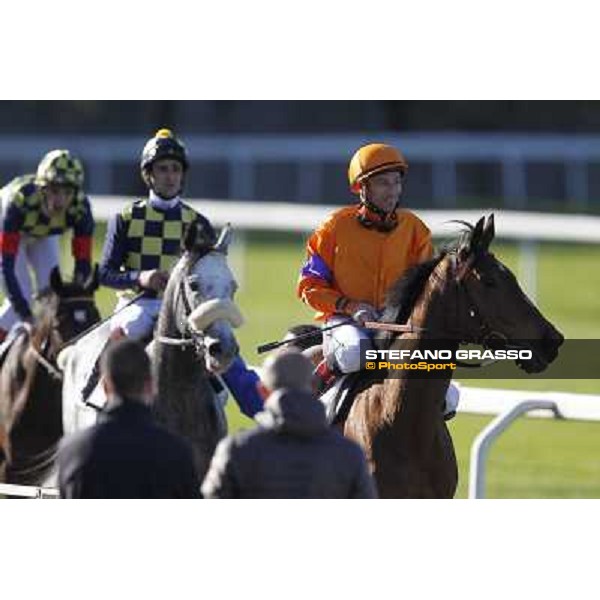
(136, 320)
(40, 255)
(344, 345)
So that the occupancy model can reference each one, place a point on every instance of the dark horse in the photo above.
(30, 381)
(464, 295)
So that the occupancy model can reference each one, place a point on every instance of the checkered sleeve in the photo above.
(112, 271)
(11, 224)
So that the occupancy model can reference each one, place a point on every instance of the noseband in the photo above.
(189, 336)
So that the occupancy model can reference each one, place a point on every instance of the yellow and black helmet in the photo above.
(164, 144)
(60, 167)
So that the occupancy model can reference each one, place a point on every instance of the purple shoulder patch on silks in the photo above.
(315, 267)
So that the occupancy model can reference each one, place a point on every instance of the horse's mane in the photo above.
(402, 296)
(46, 307)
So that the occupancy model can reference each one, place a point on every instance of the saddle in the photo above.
(339, 398)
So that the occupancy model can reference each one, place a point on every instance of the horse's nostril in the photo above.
(214, 349)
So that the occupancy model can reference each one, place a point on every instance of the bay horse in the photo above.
(463, 295)
(30, 380)
(193, 341)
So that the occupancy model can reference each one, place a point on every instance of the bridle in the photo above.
(483, 334)
(188, 336)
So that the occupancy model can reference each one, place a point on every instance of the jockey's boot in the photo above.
(325, 375)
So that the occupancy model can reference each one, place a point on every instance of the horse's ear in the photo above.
(189, 237)
(93, 281)
(199, 237)
(488, 233)
(56, 282)
(224, 240)
(476, 236)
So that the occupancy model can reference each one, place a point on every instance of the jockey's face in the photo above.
(383, 190)
(58, 198)
(166, 177)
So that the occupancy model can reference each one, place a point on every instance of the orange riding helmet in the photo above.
(371, 159)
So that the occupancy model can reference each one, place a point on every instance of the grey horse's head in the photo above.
(208, 287)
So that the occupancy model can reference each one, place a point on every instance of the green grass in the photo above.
(535, 458)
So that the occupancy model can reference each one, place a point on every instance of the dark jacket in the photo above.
(292, 454)
(126, 455)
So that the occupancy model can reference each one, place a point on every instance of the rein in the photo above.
(195, 339)
(484, 336)
(52, 370)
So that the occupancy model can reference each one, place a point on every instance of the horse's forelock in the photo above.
(214, 267)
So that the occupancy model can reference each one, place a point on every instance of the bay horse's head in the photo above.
(207, 288)
(496, 311)
(68, 308)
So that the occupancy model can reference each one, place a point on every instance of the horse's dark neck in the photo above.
(433, 313)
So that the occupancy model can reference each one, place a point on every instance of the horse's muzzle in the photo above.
(220, 353)
(545, 351)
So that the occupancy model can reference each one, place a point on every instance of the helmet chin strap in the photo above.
(373, 217)
(374, 208)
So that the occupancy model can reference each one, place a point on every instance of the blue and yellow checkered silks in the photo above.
(154, 238)
(24, 193)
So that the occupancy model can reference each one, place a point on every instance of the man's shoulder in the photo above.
(22, 191)
(242, 442)
(76, 444)
(191, 214)
(132, 207)
(338, 218)
(80, 205)
(342, 214)
(408, 217)
(160, 437)
(350, 449)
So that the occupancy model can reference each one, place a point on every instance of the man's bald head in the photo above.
(288, 369)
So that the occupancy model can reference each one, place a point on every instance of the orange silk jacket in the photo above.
(346, 259)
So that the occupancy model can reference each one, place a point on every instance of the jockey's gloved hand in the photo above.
(362, 312)
(155, 279)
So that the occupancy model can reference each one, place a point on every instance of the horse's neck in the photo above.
(171, 362)
(433, 314)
